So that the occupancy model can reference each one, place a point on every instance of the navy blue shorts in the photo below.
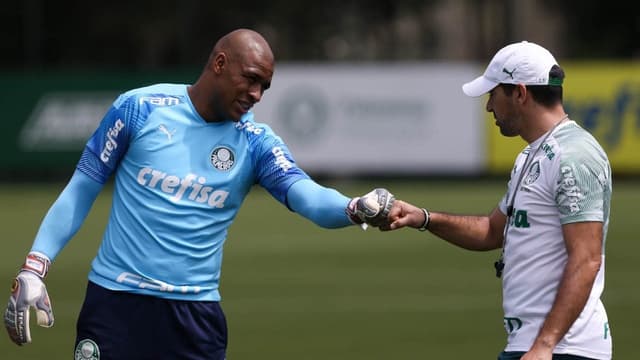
(115, 325)
(514, 355)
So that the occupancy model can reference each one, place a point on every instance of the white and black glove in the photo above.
(28, 290)
(372, 208)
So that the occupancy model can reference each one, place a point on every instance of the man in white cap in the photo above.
(552, 222)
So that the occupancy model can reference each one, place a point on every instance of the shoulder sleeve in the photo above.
(583, 186)
(110, 141)
(276, 170)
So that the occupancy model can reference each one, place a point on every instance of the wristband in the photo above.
(37, 263)
(426, 220)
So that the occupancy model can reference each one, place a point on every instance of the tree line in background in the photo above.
(159, 34)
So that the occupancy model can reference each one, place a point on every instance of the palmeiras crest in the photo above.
(223, 158)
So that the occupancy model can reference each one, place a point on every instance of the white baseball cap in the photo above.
(519, 63)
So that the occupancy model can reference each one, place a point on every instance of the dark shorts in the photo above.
(115, 325)
(515, 355)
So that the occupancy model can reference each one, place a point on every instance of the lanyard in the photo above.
(499, 265)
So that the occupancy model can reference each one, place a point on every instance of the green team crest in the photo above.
(87, 350)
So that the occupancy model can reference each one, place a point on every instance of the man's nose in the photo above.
(256, 92)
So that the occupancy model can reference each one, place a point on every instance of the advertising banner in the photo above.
(385, 119)
(602, 97)
(389, 119)
(48, 116)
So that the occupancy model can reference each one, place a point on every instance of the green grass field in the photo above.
(292, 290)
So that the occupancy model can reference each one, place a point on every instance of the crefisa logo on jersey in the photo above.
(222, 158)
(87, 350)
(111, 143)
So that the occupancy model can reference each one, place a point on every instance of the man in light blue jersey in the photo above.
(183, 159)
(552, 222)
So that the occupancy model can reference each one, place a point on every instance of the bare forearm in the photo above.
(466, 231)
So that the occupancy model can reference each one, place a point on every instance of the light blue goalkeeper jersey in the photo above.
(179, 185)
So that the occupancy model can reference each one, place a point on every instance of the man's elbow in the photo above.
(594, 262)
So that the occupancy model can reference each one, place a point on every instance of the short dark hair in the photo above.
(547, 95)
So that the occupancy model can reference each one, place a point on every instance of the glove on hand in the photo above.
(372, 208)
(28, 290)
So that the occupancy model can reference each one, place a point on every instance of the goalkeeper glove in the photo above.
(28, 290)
(372, 208)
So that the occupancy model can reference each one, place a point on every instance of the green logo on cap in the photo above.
(555, 81)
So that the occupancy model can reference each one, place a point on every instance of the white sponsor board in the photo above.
(387, 119)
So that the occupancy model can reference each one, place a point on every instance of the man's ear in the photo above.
(219, 62)
(521, 93)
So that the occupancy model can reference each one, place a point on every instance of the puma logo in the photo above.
(510, 73)
(166, 131)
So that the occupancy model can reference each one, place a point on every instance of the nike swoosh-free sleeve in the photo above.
(324, 206)
(67, 214)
